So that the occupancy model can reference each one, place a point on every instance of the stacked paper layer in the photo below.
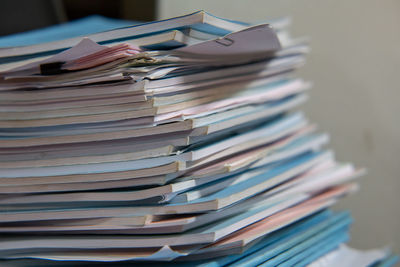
(177, 140)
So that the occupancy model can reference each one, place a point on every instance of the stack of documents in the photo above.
(176, 140)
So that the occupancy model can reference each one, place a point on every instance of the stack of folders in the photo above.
(175, 143)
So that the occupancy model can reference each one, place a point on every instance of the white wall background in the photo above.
(355, 66)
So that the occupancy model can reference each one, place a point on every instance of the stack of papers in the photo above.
(175, 140)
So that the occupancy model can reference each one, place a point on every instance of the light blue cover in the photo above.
(317, 250)
(84, 26)
(330, 237)
(277, 252)
(277, 237)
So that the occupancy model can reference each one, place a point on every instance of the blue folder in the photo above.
(84, 26)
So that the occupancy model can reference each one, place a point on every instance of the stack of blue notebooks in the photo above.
(170, 143)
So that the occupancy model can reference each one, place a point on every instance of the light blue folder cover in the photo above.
(84, 26)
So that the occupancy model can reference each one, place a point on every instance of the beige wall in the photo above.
(355, 66)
